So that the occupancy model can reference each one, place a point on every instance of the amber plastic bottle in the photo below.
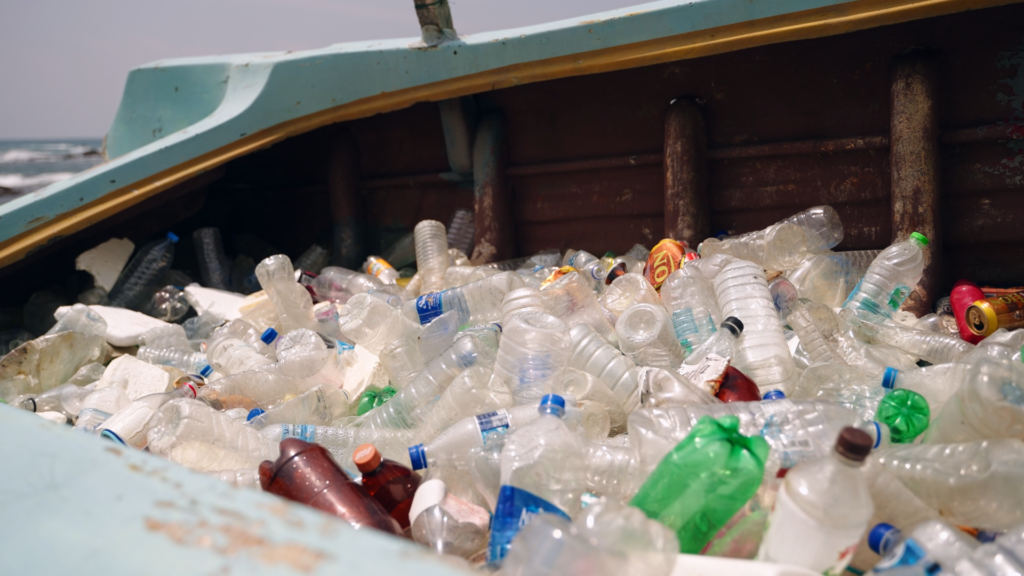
(306, 473)
(390, 483)
(737, 387)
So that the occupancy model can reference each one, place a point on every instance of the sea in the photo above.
(28, 165)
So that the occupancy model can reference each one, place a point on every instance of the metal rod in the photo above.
(346, 204)
(687, 216)
(495, 229)
(585, 165)
(801, 148)
(915, 160)
(989, 133)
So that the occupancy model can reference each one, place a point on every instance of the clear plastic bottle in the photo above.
(185, 360)
(229, 354)
(646, 335)
(588, 266)
(462, 230)
(339, 284)
(143, 273)
(291, 299)
(402, 361)
(971, 484)
(312, 260)
(988, 404)
(594, 355)
(777, 247)
(928, 548)
(471, 392)
(889, 279)
(936, 383)
(625, 291)
(931, 347)
(542, 469)
(373, 324)
(66, 398)
(815, 325)
(1002, 557)
(80, 318)
(763, 353)
(446, 523)
(822, 509)
(168, 304)
(784, 296)
(411, 405)
(319, 406)
(431, 254)
(380, 268)
(572, 300)
(130, 424)
(521, 301)
(342, 442)
(476, 303)
(198, 437)
(534, 349)
(722, 343)
(214, 266)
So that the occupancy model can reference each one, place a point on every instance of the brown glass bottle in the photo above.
(390, 483)
(737, 387)
(306, 473)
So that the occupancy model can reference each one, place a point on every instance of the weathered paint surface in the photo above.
(266, 90)
(495, 232)
(687, 216)
(74, 503)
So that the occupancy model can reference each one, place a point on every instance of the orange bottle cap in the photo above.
(367, 458)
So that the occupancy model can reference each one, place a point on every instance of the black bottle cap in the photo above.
(734, 325)
(854, 444)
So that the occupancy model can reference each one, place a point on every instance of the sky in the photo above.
(63, 63)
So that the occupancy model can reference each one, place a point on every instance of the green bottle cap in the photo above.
(609, 254)
(921, 238)
(906, 413)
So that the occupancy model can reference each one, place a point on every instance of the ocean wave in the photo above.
(55, 154)
(22, 183)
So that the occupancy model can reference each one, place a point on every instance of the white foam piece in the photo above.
(106, 261)
(366, 371)
(56, 417)
(221, 303)
(124, 327)
(143, 378)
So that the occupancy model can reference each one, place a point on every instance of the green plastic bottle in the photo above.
(906, 413)
(704, 481)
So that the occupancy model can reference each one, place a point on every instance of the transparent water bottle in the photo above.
(214, 266)
(588, 266)
(80, 318)
(462, 230)
(542, 469)
(143, 273)
(185, 360)
(476, 303)
(392, 444)
(373, 324)
(339, 284)
(198, 437)
(931, 347)
(1003, 557)
(625, 291)
(471, 392)
(319, 406)
(229, 354)
(930, 547)
(822, 509)
(763, 353)
(690, 299)
(130, 424)
(988, 404)
(534, 350)
(431, 254)
(889, 279)
(521, 301)
(815, 325)
(646, 335)
(411, 405)
(572, 300)
(936, 383)
(722, 343)
(778, 247)
(312, 260)
(971, 484)
(381, 269)
(402, 361)
(292, 301)
(594, 355)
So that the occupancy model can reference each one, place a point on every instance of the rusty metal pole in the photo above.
(914, 158)
(346, 203)
(458, 120)
(495, 229)
(687, 214)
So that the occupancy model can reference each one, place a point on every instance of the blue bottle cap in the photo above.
(206, 370)
(109, 435)
(986, 536)
(773, 395)
(268, 336)
(254, 413)
(418, 457)
(172, 237)
(877, 535)
(552, 404)
(889, 378)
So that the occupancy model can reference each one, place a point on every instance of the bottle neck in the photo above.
(846, 461)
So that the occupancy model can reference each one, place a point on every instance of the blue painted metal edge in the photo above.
(76, 504)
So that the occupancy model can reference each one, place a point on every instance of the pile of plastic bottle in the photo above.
(763, 398)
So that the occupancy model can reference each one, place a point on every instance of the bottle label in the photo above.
(378, 266)
(793, 537)
(515, 508)
(708, 373)
(304, 432)
(344, 346)
(685, 326)
(897, 297)
(429, 306)
(906, 553)
(492, 424)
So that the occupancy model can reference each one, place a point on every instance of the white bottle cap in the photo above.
(430, 493)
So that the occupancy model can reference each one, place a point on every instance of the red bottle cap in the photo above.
(367, 458)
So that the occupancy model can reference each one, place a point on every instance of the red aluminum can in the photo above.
(666, 257)
(963, 295)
